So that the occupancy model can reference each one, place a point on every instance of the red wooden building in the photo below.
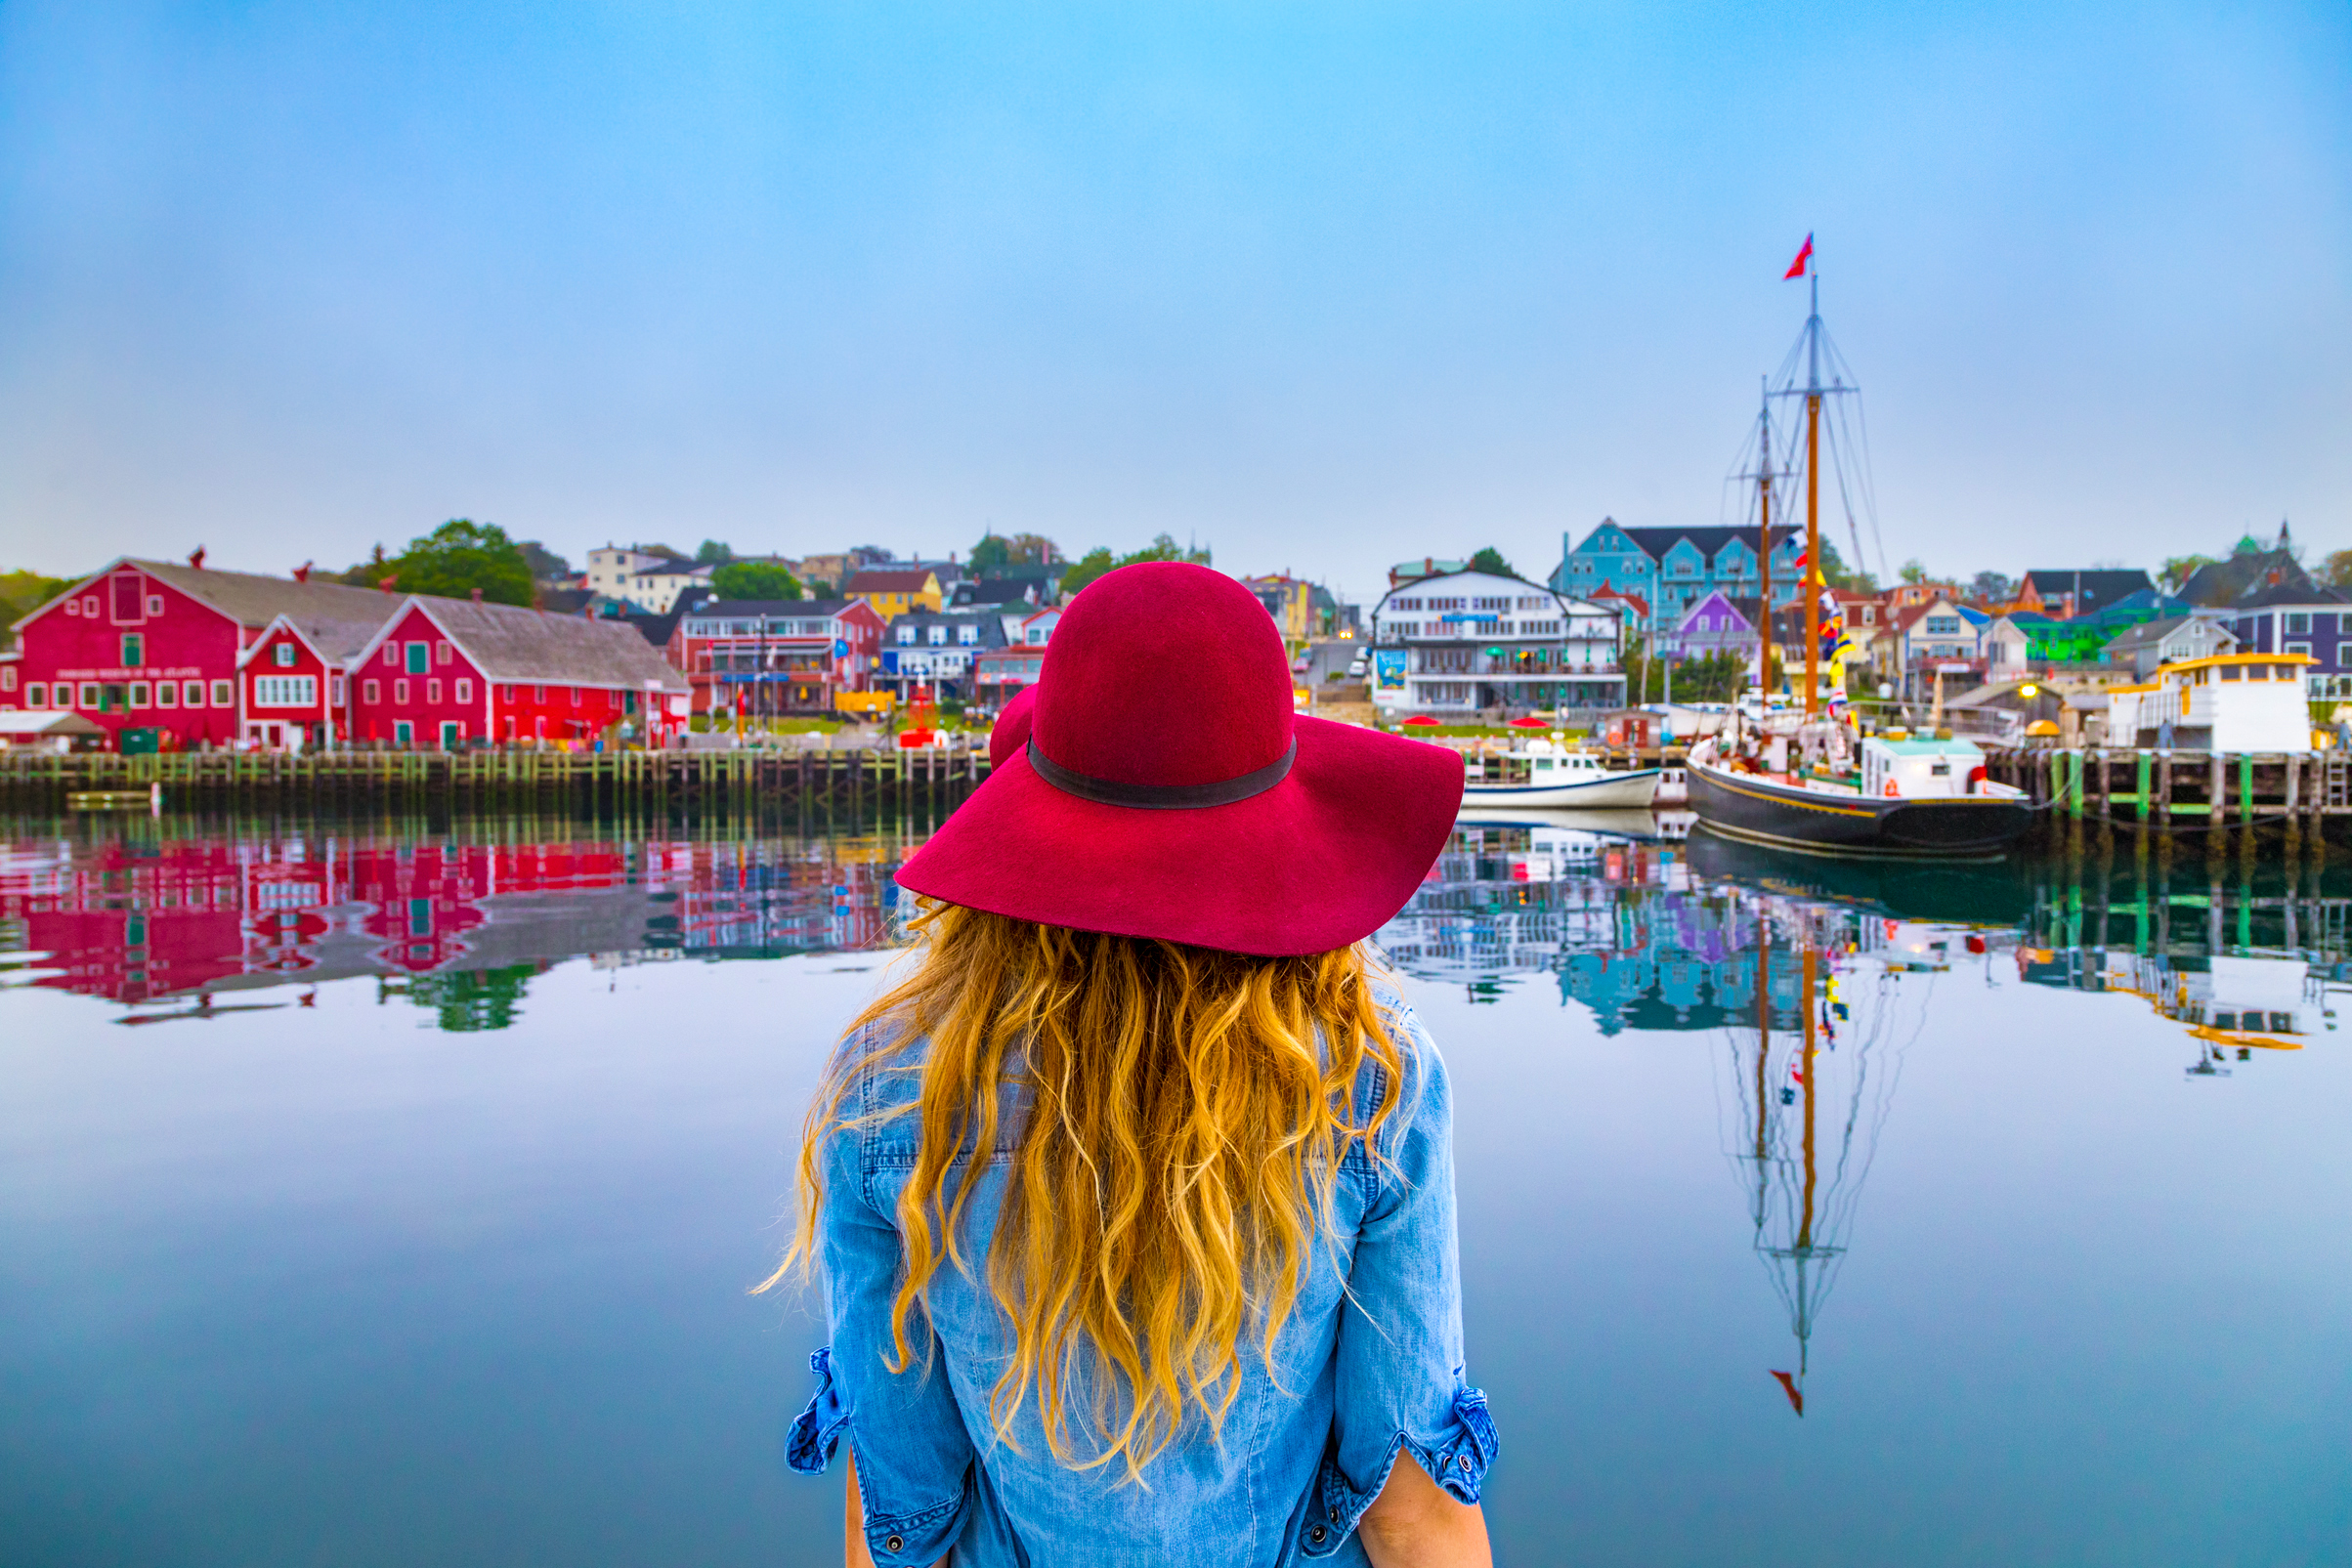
(777, 657)
(201, 657)
(445, 672)
(158, 646)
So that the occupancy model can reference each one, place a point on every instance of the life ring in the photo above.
(1892, 792)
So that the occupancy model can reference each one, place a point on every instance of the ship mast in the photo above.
(1764, 552)
(1812, 505)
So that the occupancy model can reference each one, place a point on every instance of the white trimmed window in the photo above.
(285, 691)
(284, 655)
(36, 693)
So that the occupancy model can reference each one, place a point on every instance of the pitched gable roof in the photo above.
(253, 600)
(2097, 590)
(1709, 542)
(2224, 583)
(889, 581)
(511, 644)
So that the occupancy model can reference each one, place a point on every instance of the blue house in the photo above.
(1674, 569)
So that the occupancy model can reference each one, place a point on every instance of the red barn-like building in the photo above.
(445, 672)
(210, 656)
(152, 645)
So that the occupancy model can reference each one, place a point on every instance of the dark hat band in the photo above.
(1162, 797)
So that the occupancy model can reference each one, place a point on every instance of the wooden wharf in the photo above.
(521, 780)
(2171, 793)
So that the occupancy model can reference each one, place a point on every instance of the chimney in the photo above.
(195, 558)
(477, 596)
(302, 573)
(384, 585)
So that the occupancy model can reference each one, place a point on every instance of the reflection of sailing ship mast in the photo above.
(1804, 1180)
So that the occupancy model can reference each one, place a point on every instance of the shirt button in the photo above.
(1317, 1534)
(893, 1543)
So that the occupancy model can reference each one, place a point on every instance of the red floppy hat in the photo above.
(1010, 732)
(1166, 788)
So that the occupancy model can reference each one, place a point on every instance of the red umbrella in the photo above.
(1421, 718)
(1531, 724)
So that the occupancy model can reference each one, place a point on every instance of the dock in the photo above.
(2173, 793)
(523, 779)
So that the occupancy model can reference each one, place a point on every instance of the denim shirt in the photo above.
(1369, 1368)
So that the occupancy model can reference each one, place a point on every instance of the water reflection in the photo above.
(1677, 1067)
(1816, 974)
(176, 919)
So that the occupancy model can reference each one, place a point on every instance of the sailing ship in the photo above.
(1807, 779)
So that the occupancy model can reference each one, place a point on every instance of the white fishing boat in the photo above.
(1552, 776)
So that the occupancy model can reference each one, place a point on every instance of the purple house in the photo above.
(1717, 624)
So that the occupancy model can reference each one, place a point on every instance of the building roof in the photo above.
(2097, 590)
(2222, 584)
(507, 643)
(802, 608)
(990, 622)
(997, 590)
(1605, 592)
(2149, 633)
(253, 600)
(2305, 592)
(891, 580)
(45, 721)
(1709, 541)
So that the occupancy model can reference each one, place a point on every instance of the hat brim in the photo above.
(1322, 859)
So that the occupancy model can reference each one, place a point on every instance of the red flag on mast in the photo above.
(1796, 269)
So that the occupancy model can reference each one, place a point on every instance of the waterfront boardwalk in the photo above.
(519, 780)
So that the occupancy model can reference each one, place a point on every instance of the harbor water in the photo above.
(391, 1193)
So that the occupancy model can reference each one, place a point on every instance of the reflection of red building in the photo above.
(136, 923)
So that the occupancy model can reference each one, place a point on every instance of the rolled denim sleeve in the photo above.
(1399, 1384)
(914, 1461)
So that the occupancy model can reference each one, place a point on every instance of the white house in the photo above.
(649, 581)
(1463, 641)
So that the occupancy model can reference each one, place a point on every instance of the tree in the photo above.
(1992, 587)
(2336, 570)
(996, 551)
(1836, 574)
(1913, 572)
(713, 553)
(1095, 563)
(1490, 560)
(1085, 568)
(370, 572)
(23, 592)
(544, 564)
(459, 556)
(755, 579)
(2174, 574)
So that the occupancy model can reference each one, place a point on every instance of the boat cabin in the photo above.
(2223, 702)
(1921, 770)
(1538, 762)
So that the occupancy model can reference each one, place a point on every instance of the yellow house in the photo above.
(894, 593)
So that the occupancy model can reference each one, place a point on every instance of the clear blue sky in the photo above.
(1323, 286)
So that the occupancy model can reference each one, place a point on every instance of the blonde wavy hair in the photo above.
(1190, 1110)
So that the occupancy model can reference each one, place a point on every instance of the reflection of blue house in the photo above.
(1674, 569)
(1661, 986)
